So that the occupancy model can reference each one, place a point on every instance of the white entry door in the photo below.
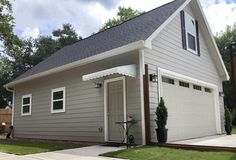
(115, 109)
(191, 109)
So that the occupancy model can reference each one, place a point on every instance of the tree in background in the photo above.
(10, 45)
(66, 36)
(123, 15)
(19, 55)
(223, 39)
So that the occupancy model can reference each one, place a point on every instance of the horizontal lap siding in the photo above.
(167, 53)
(84, 104)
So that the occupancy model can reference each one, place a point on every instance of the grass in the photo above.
(159, 153)
(30, 147)
(234, 130)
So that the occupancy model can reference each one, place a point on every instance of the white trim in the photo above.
(23, 105)
(13, 108)
(141, 73)
(105, 104)
(164, 72)
(148, 41)
(117, 51)
(64, 100)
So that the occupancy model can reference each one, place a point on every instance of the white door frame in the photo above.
(106, 103)
(164, 72)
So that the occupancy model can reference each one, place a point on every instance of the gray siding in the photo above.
(167, 53)
(84, 104)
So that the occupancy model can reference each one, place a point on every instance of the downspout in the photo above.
(13, 103)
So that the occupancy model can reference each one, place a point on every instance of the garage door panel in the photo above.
(190, 112)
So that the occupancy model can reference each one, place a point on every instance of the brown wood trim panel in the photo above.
(147, 105)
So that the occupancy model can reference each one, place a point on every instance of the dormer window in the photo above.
(190, 33)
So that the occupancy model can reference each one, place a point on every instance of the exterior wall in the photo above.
(84, 116)
(167, 53)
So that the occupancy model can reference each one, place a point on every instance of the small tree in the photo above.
(161, 114)
(228, 117)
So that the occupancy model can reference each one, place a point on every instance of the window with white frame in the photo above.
(58, 100)
(26, 105)
(191, 35)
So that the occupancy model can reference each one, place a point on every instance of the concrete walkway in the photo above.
(218, 140)
(84, 153)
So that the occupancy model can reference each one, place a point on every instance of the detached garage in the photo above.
(192, 111)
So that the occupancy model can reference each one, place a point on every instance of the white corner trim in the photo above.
(13, 108)
(141, 73)
(213, 41)
(117, 51)
(164, 72)
(30, 105)
(149, 40)
(64, 100)
(106, 106)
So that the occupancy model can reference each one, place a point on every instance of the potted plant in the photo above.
(228, 121)
(161, 120)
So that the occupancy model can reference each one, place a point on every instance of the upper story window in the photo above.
(26, 105)
(58, 100)
(190, 33)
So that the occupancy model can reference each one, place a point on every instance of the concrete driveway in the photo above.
(84, 153)
(218, 141)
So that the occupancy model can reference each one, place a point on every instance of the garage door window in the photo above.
(183, 84)
(168, 80)
(208, 90)
(196, 87)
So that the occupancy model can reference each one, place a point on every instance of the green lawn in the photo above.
(234, 130)
(30, 147)
(158, 153)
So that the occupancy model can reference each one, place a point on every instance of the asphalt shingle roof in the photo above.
(138, 28)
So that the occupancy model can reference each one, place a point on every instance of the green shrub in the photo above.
(161, 115)
(228, 117)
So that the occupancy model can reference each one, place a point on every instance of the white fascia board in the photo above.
(148, 41)
(117, 51)
(221, 63)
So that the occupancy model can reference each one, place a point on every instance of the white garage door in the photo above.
(190, 108)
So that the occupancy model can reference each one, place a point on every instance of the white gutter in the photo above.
(13, 104)
(117, 51)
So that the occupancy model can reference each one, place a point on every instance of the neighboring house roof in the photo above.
(141, 28)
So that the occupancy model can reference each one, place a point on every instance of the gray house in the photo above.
(81, 91)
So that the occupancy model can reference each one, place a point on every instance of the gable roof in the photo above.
(130, 33)
(138, 28)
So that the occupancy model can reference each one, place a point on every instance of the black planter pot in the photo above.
(162, 135)
(228, 129)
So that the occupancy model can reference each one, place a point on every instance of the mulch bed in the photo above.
(196, 147)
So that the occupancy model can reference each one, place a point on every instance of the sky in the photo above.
(40, 17)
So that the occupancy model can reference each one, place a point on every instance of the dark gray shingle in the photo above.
(138, 28)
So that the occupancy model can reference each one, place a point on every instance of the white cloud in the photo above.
(220, 14)
(30, 33)
(87, 16)
(143, 6)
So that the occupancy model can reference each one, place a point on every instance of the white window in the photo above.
(58, 100)
(191, 35)
(26, 105)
